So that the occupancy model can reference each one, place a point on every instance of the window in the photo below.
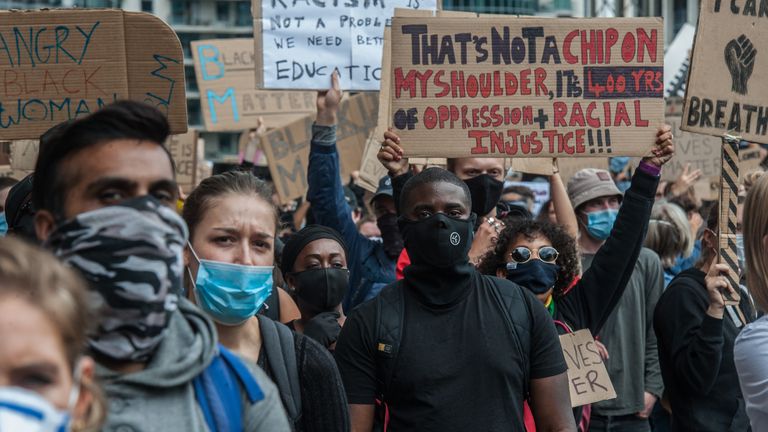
(222, 12)
(194, 115)
(147, 6)
(243, 17)
(189, 74)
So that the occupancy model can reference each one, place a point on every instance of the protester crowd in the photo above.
(434, 304)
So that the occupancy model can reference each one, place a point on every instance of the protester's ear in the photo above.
(290, 280)
(86, 398)
(44, 224)
(501, 272)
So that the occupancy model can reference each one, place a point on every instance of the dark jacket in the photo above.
(589, 303)
(696, 355)
(370, 268)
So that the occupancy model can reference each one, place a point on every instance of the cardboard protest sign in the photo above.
(287, 148)
(532, 87)
(677, 61)
(183, 149)
(566, 166)
(700, 151)
(588, 379)
(24, 154)
(299, 46)
(371, 170)
(229, 97)
(728, 80)
(59, 65)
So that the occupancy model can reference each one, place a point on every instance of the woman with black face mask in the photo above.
(542, 256)
(314, 263)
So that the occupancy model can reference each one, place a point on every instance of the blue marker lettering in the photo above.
(7, 51)
(204, 60)
(62, 33)
(87, 40)
(213, 97)
(27, 45)
(45, 48)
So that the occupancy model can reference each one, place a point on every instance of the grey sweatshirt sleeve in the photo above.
(267, 414)
(654, 287)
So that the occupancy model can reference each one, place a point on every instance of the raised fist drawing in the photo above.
(740, 59)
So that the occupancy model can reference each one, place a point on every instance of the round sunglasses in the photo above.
(522, 254)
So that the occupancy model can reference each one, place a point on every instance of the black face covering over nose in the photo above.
(323, 289)
(485, 192)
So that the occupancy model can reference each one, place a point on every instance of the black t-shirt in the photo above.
(458, 368)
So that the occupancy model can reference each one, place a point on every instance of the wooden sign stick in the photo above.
(726, 227)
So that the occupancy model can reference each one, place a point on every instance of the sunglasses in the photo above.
(522, 254)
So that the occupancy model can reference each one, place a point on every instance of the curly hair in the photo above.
(568, 258)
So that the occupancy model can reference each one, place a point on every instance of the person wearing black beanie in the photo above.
(314, 263)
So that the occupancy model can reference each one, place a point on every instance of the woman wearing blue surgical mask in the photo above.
(46, 383)
(230, 259)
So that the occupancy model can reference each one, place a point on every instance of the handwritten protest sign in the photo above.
(63, 64)
(727, 85)
(183, 149)
(371, 170)
(229, 97)
(526, 87)
(24, 154)
(588, 379)
(287, 148)
(300, 45)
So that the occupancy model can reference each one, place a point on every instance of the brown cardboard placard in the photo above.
(24, 154)
(727, 85)
(588, 380)
(371, 170)
(533, 87)
(229, 97)
(287, 148)
(183, 149)
(299, 46)
(65, 64)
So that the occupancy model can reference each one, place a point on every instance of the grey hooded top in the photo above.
(161, 397)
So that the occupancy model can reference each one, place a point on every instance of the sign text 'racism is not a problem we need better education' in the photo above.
(526, 87)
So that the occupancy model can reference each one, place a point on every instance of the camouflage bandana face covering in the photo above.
(131, 254)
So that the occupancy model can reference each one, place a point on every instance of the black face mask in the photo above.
(438, 241)
(322, 289)
(390, 233)
(485, 192)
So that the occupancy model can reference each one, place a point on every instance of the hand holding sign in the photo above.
(717, 288)
(664, 149)
(391, 155)
(328, 102)
(740, 59)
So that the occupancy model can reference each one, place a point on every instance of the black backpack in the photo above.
(390, 305)
(279, 346)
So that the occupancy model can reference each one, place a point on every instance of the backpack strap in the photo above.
(217, 390)
(390, 311)
(279, 346)
(517, 314)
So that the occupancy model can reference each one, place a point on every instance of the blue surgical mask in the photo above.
(600, 223)
(617, 164)
(740, 252)
(536, 275)
(231, 293)
(3, 225)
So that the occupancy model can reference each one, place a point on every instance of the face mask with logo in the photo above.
(3, 225)
(600, 223)
(131, 255)
(536, 275)
(438, 241)
(25, 410)
(231, 293)
(485, 192)
(322, 289)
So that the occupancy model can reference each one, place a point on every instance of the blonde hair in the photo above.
(38, 277)
(669, 233)
(755, 227)
(750, 178)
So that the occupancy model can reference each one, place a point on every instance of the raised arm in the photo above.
(563, 208)
(602, 285)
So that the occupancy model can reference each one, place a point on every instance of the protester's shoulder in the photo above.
(648, 258)
(268, 413)
(686, 287)
(510, 288)
(753, 336)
